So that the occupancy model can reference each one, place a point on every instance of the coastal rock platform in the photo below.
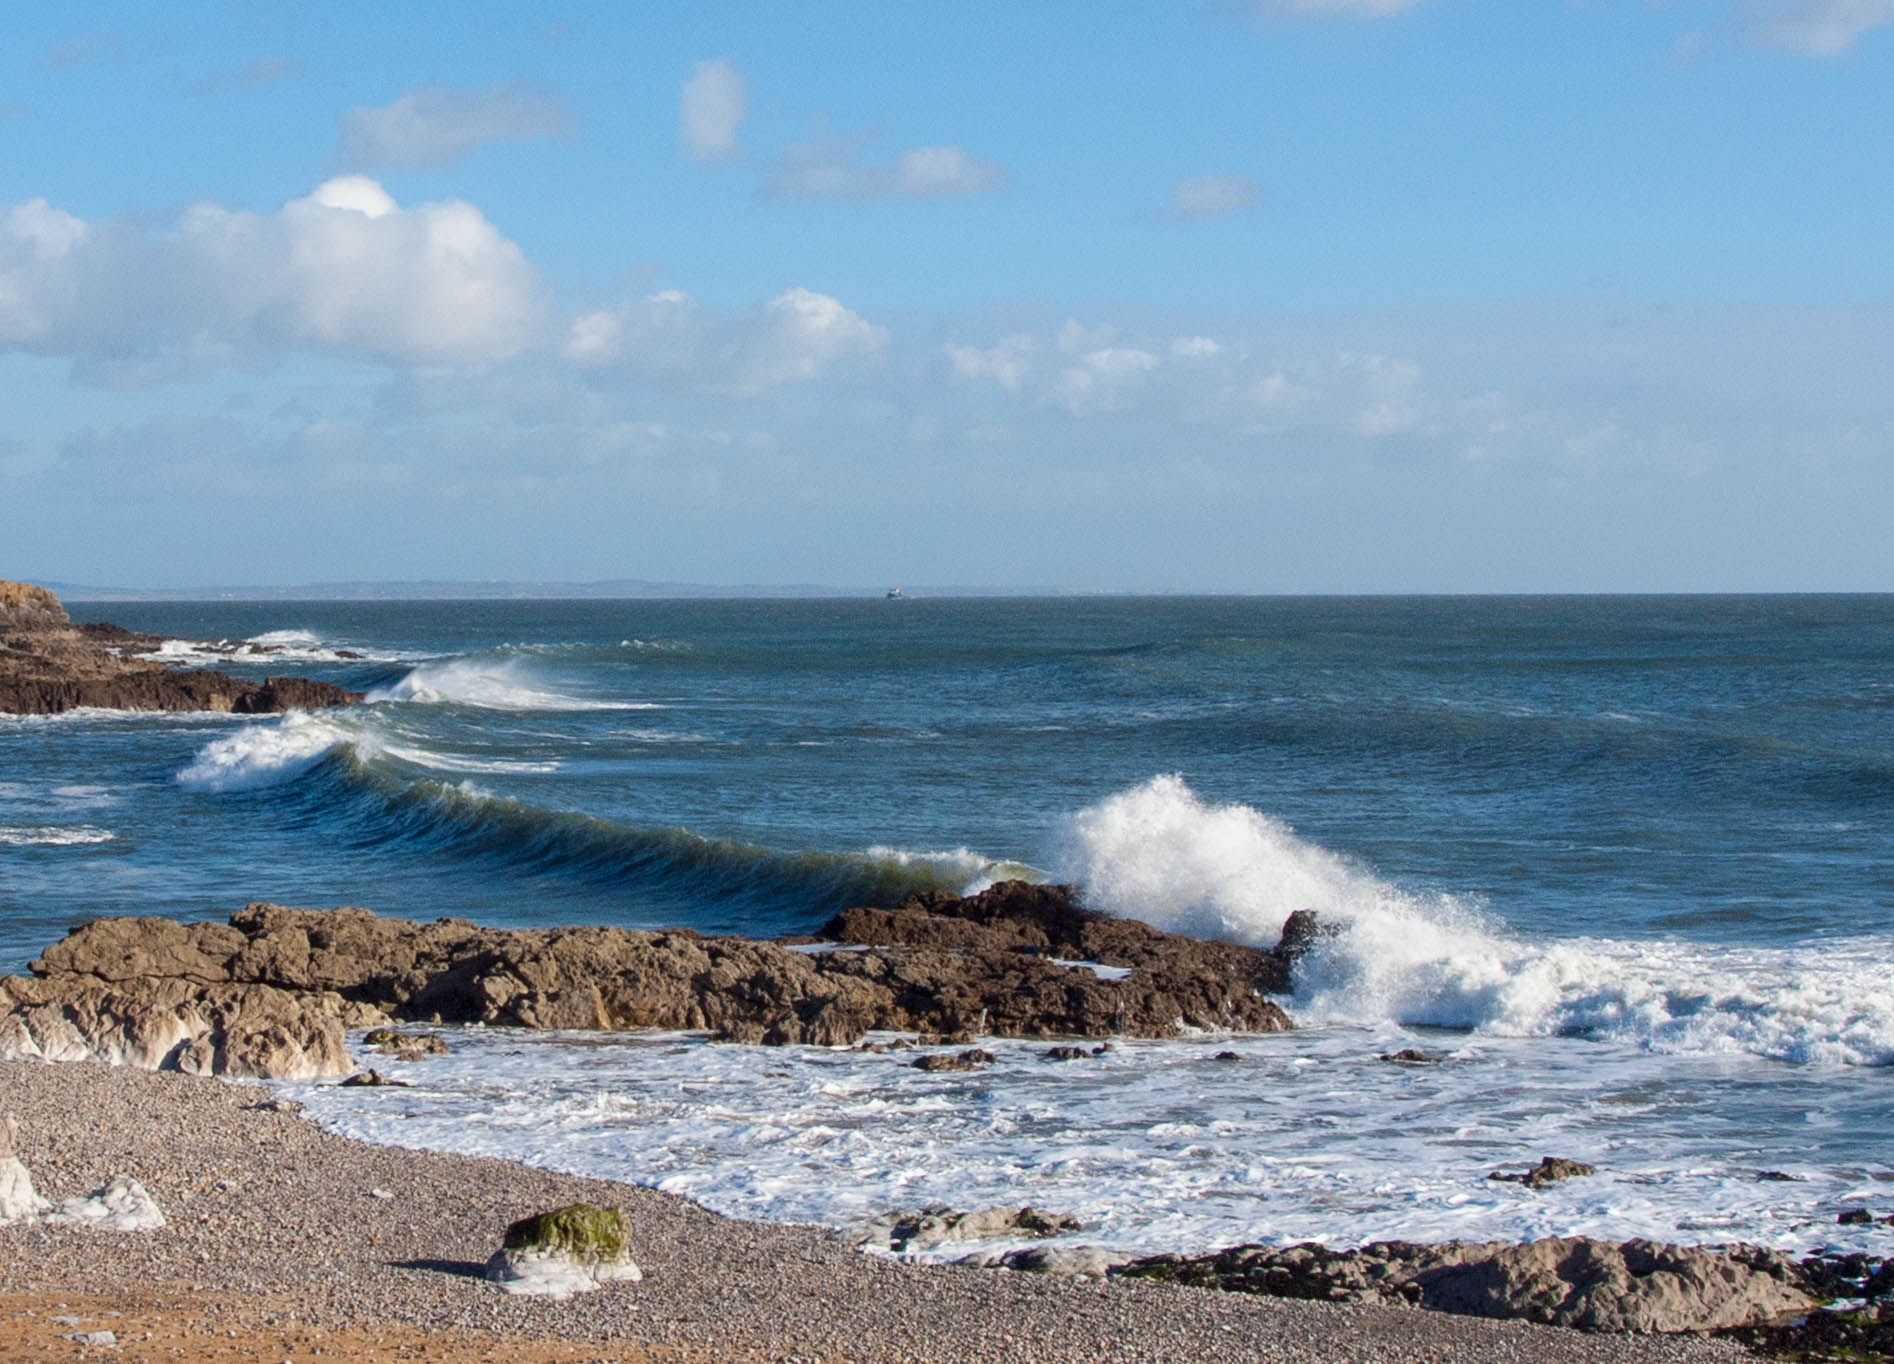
(271, 992)
(48, 665)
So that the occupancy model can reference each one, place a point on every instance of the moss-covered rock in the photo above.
(568, 1250)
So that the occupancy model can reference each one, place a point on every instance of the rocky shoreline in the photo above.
(272, 992)
(275, 1227)
(49, 665)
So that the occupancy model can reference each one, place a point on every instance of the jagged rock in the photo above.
(1550, 1170)
(931, 1227)
(1065, 1053)
(372, 1079)
(1592, 1285)
(1855, 1217)
(163, 1022)
(1411, 1056)
(49, 665)
(271, 992)
(405, 1046)
(569, 1250)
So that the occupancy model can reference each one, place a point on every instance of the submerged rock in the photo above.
(1574, 1281)
(49, 665)
(1549, 1171)
(271, 993)
(570, 1250)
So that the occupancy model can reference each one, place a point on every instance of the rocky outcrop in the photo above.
(1573, 1281)
(903, 1232)
(49, 665)
(270, 991)
(1549, 1171)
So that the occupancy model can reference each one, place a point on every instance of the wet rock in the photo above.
(1642, 1286)
(372, 1079)
(569, 1250)
(405, 1046)
(1550, 1170)
(272, 992)
(1065, 1053)
(972, 1059)
(1226, 1056)
(1071, 1262)
(1411, 1056)
(1856, 1217)
(924, 1230)
(49, 665)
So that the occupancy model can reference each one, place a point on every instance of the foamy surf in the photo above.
(270, 647)
(1159, 853)
(267, 753)
(52, 835)
(503, 685)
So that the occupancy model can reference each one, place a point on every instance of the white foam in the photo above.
(444, 762)
(1157, 852)
(264, 754)
(503, 685)
(52, 835)
(1158, 1145)
(272, 646)
(971, 872)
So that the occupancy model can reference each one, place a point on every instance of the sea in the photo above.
(1622, 866)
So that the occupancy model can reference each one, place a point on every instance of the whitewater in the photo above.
(1619, 867)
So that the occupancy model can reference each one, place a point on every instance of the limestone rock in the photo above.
(18, 1201)
(1642, 1286)
(122, 1205)
(570, 1250)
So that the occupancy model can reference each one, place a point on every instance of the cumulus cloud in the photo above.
(829, 166)
(1812, 28)
(672, 341)
(1213, 196)
(343, 268)
(434, 126)
(710, 111)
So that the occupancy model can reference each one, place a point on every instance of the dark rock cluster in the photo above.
(156, 992)
(49, 665)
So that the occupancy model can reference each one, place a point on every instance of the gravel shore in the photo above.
(279, 1228)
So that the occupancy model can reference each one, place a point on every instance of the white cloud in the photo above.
(1005, 363)
(343, 268)
(1213, 196)
(829, 166)
(1330, 9)
(710, 111)
(433, 126)
(668, 339)
(1813, 28)
(1103, 380)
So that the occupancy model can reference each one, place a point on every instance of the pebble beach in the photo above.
(287, 1242)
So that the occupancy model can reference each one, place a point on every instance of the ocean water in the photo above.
(1625, 864)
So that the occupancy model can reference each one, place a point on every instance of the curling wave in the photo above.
(1159, 853)
(503, 685)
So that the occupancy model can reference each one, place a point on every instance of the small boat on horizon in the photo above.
(896, 594)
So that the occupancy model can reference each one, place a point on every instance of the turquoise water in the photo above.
(1630, 859)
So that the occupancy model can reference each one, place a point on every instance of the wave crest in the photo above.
(1159, 853)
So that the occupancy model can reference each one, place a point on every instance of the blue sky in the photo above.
(1267, 295)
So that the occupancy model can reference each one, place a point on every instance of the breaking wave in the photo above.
(503, 685)
(1159, 853)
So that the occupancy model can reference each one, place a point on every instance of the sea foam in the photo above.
(264, 754)
(503, 685)
(1158, 852)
